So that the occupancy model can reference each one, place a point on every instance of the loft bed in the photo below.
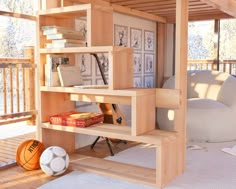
(163, 12)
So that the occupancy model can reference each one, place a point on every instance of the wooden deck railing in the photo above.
(17, 88)
(228, 66)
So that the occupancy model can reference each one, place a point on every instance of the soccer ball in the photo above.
(54, 161)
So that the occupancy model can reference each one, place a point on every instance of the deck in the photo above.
(8, 148)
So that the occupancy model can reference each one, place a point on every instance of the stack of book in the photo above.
(77, 119)
(61, 37)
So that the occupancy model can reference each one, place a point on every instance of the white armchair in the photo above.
(211, 107)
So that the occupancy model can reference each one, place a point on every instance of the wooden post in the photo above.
(181, 78)
(216, 45)
(161, 36)
(30, 83)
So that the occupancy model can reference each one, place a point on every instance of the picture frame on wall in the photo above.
(120, 35)
(99, 81)
(136, 38)
(149, 81)
(103, 57)
(148, 63)
(148, 40)
(85, 64)
(137, 81)
(137, 65)
(81, 26)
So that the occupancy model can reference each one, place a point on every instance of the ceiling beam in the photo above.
(227, 6)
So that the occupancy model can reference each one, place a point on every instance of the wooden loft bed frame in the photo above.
(172, 150)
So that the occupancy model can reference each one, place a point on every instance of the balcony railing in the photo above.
(228, 66)
(17, 88)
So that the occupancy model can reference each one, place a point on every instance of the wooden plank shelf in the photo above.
(113, 169)
(89, 50)
(138, 99)
(113, 131)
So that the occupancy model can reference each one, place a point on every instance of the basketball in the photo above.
(28, 154)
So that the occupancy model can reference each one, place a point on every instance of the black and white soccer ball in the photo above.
(54, 161)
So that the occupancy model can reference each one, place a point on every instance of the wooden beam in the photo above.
(161, 39)
(133, 12)
(125, 10)
(17, 15)
(181, 47)
(227, 6)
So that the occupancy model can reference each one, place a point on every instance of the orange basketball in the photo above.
(28, 154)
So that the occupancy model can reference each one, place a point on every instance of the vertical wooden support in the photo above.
(30, 83)
(216, 45)
(161, 38)
(181, 78)
(99, 26)
(11, 88)
(49, 103)
(46, 4)
(4, 90)
(17, 91)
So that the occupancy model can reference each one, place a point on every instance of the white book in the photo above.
(69, 75)
(73, 41)
(64, 36)
(64, 45)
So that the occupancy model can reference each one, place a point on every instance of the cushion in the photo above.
(205, 84)
(227, 94)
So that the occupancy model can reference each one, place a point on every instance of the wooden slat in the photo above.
(11, 89)
(14, 60)
(17, 91)
(228, 6)
(112, 131)
(17, 15)
(4, 90)
(115, 169)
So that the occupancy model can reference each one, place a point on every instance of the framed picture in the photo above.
(81, 25)
(87, 81)
(121, 35)
(103, 57)
(148, 40)
(137, 82)
(148, 81)
(136, 38)
(99, 81)
(85, 64)
(137, 66)
(148, 63)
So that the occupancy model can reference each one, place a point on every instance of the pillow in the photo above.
(227, 94)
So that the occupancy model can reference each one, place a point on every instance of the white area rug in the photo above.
(206, 168)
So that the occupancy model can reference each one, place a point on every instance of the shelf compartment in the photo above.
(113, 169)
(142, 102)
(120, 61)
(99, 19)
(113, 131)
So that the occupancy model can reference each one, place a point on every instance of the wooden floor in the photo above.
(18, 178)
(8, 148)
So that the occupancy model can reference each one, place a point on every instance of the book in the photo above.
(48, 30)
(74, 41)
(50, 69)
(69, 75)
(64, 36)
(64, 45)
(77, 119)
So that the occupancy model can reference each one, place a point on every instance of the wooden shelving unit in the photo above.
(54, 100)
